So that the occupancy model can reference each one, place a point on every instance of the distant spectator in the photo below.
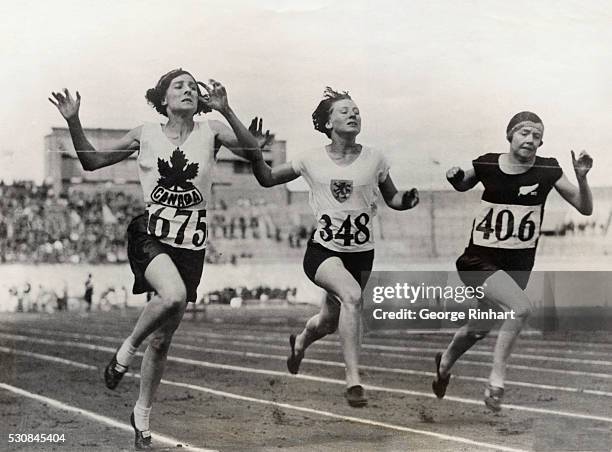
(62, 297)
(123, 293)
(89, 288)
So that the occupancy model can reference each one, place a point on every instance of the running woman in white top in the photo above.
(344, 179)
(166, 245)
(504, 237)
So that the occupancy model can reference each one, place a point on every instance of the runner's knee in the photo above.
(351, 296)
(328, 326)
(174, 297)
(522, 311)
(476, 335)
(160, 341)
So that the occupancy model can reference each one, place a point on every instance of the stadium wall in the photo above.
(440, 225)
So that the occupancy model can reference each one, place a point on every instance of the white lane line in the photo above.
(466, 362)
(397, 348)
(564, 372)
(389, 369)
(46, 358)
(281, 337)
(167, 440)
(385, 389)
(562, 359)
(329, 346)
(400, 371)
(453, 438)
(525, 384)
(433, 336)
(336, 343)
(230, 395)
(275, 373)
(275, 338)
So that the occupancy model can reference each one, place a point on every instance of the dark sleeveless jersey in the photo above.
(507, 226)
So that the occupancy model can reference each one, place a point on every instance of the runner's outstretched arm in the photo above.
(264, 173)
(90, 158)
(239, 140)
(268, 176)
(580, 197)
(398, 200)
(461, 180)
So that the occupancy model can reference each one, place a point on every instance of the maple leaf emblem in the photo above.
(177, 173)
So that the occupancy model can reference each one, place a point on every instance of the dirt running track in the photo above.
(226, 388)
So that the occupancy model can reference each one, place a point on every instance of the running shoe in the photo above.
(355, 396)
(493, 398)
(294, 360)
(112, 376)
(439, 384)
(142, 438)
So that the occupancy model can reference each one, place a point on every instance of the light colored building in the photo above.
(233, 178)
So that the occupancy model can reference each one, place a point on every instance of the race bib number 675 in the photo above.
(181, 228)
(507, 226)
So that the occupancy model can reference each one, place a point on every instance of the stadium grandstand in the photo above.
(78, 216)
(75, 222)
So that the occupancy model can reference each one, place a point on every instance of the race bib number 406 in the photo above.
(181, 228)
(507, 226)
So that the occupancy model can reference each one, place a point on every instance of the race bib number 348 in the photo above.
(345, 230)
(507, 226)
(181, 228)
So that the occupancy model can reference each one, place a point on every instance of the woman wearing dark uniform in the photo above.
(504, 237)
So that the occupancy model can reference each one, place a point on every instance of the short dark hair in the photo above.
(155, 96)
(518, 119)
(321, 115)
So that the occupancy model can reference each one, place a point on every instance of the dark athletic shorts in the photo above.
(142, 248)
(356, 263)
(474, 270)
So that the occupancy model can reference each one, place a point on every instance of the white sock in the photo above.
(141, 417)
(496, 381)
(126, 353)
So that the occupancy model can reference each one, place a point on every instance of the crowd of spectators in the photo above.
(584, 227)
(37, 225)
(40, 226)
(259, 293)
(256, 219)
(60, 296)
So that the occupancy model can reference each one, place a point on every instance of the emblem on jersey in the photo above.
(173, 187)
(528, 190)
(341, 189)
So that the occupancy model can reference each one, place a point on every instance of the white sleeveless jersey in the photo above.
(176, 183)
(343, 198)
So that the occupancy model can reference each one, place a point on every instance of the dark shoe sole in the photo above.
(493, 398)
(112, 376)
(140, 442)
(294, 360)
(439, 384)
(355, 396)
